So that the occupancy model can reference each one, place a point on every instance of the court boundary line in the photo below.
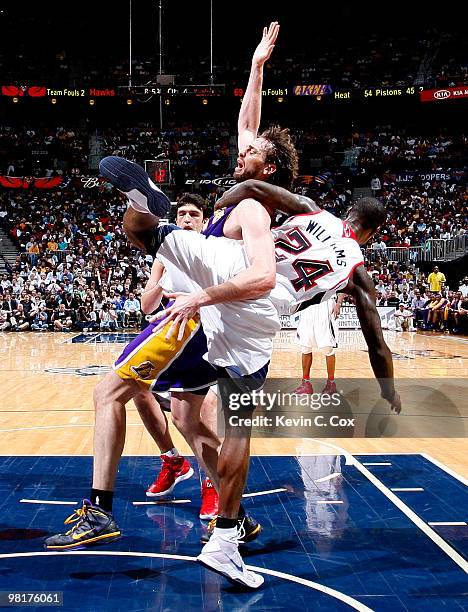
(347, 599)
(445, 468)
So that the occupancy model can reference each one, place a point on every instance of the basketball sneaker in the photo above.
(221, 554)
(132, 180)
(248, 529)
(305, 388)
(330, 387)
(173, 471)
(93, 525)
(209, 504)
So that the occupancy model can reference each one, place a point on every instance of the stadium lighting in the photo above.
(204, 101)
(129, 101)
(53, 101)
(15, 100)
(91, 102)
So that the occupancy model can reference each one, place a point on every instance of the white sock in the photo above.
(225, 534)
(137, 206)
(173, 452)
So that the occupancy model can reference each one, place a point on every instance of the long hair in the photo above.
(283, 154)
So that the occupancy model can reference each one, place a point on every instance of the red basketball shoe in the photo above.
(209, 505)
(173, 471)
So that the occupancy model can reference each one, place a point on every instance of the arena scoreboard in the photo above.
(159, 170)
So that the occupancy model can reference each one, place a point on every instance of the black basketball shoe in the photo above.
(93, 525)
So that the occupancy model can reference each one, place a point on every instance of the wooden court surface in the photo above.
(51, 412)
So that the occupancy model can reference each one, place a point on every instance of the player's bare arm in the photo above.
(251, 108)
(152, 294)
(271, 196)
(361, 287)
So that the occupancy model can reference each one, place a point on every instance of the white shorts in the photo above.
(317, 328)
(238, 333)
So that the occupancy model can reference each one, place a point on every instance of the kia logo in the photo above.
(442, 94)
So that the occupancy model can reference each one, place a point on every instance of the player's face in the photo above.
(251, 163)
(189, 217)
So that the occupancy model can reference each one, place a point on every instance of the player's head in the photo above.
(271, 157)
(365, 217)
(190, 212)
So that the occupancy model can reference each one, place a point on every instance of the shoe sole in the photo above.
(126, 175)
(253, 535)
(237, 581)
(208, 517)
(186, 476)
(106, 538)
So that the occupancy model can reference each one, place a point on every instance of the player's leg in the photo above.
(330, 359)
(174, 467)
(94, 523)
(306, 361)
(205, 444)
(147, 203)
(221, 552)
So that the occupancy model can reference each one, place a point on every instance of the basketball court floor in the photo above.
(365, 524)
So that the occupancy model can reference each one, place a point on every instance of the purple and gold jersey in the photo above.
(215, 225)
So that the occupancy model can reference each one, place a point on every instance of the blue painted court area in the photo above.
(104, 338)
(361, 546)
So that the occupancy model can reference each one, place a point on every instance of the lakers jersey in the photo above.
(316, 253)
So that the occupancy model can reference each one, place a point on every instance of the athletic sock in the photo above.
(103, 499)
(139, 207)
(172, 452)
(226, 523)
(229, 533)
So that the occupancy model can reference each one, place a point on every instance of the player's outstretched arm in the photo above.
(251, 108)
(362, 289)
(270, 196)
(152, 294)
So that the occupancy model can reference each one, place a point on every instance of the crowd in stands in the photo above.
(73, 250)
(75, 269)
(427, 302)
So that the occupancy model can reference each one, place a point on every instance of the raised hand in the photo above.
(267, 44)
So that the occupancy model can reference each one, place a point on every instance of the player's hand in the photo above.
(267, 44)
(336, 311)
(184, 308)
(395, 402)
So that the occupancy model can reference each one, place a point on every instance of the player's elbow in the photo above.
(266, 283)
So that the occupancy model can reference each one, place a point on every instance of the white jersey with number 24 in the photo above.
(316, 253)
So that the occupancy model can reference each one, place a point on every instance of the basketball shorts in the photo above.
(159, 365)
(317, 328)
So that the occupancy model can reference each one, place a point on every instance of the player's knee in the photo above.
(328, 351)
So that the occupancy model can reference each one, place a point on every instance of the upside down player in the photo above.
(147, 203)
(194, 263)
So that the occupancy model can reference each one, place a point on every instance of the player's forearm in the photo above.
(268, 195)
(251, 108)
(151, 298)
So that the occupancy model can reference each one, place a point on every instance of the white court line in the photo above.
(330, 501)
(90, 340)
(376, 463)
(59, 427)
(329, 477)
(48, 501)
(403, 489)
(347, 599)
(442, 466)
(264, 492)
(162, 501)
(447, 524)
(424, 527)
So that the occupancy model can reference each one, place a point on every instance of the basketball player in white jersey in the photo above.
(318, 330)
